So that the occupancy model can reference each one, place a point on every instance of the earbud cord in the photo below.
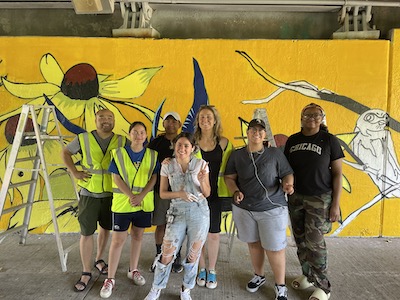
(259, 180)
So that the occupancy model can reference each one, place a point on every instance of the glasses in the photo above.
(313, 116)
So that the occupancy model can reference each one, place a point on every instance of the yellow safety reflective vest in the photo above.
(135, 179)
(96, 162)
(222, 188)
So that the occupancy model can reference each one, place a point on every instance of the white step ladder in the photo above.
(40, 115)
(261, 113)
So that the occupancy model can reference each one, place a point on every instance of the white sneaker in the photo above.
(137, 278)
(281, 292)
(211, 280)
(107, 288)
(154, 294)
(185, 294)
(254, 284)
(201, 277)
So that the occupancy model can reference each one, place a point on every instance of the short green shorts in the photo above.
(92, 210)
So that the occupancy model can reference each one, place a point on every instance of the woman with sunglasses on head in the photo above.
(316, 158)
(215, 149)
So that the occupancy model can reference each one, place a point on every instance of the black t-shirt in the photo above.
(310, 158)
(164, 148)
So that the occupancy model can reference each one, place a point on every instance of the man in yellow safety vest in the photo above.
(96, 189)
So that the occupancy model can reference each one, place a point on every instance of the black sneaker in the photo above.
(153, 265)
(254, 284)
(177, 265)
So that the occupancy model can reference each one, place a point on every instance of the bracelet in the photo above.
(237, 191)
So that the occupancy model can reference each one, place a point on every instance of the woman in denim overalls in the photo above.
(188, 214)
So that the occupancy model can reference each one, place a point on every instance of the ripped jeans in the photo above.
(191, 219)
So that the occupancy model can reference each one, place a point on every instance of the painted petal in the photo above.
(30, 90)
(89, 117)
(102, 77)
(17, 111)
(51, 70)
(129, 87)
(149, 114)
(346, 184)
(71, 109)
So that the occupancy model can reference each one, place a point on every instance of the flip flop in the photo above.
(80, 282)
(104, 269)
(319, 294)
(301, 283)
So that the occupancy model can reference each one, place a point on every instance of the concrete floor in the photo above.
(359, 268)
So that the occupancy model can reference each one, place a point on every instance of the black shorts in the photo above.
(215, 205)
(140, 219)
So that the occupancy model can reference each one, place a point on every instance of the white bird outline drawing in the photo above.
(379, 145)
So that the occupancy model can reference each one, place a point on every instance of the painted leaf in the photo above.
(200, 98)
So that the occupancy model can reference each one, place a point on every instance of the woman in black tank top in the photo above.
(212, 144)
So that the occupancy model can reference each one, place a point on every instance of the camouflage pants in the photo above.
(309, 216)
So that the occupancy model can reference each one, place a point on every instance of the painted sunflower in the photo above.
(80, 92)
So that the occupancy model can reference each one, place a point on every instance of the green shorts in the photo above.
(92, 210)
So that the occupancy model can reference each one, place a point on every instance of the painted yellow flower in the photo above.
(80, 92)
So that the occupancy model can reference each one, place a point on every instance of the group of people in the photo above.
(176, 182)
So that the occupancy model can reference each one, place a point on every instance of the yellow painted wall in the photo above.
(361, 75)
(391, 206)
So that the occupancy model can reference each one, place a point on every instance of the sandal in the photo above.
(319, 295)
(104, 269)
(81, 283)
(301, 283)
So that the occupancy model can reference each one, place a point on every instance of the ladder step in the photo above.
(22, 183)
(24, 159)
(14, 208)
(45, 136)
(69, 204)
(26, 169)
(23, 205)
(40, 116)
(12, 230)
(70, 248)
(42, 137)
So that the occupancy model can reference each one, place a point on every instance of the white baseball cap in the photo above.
(173, 114)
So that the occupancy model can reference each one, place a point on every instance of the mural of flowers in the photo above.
(77, 95)
(80, 92)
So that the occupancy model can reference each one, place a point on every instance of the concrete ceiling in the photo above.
(258, 21)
